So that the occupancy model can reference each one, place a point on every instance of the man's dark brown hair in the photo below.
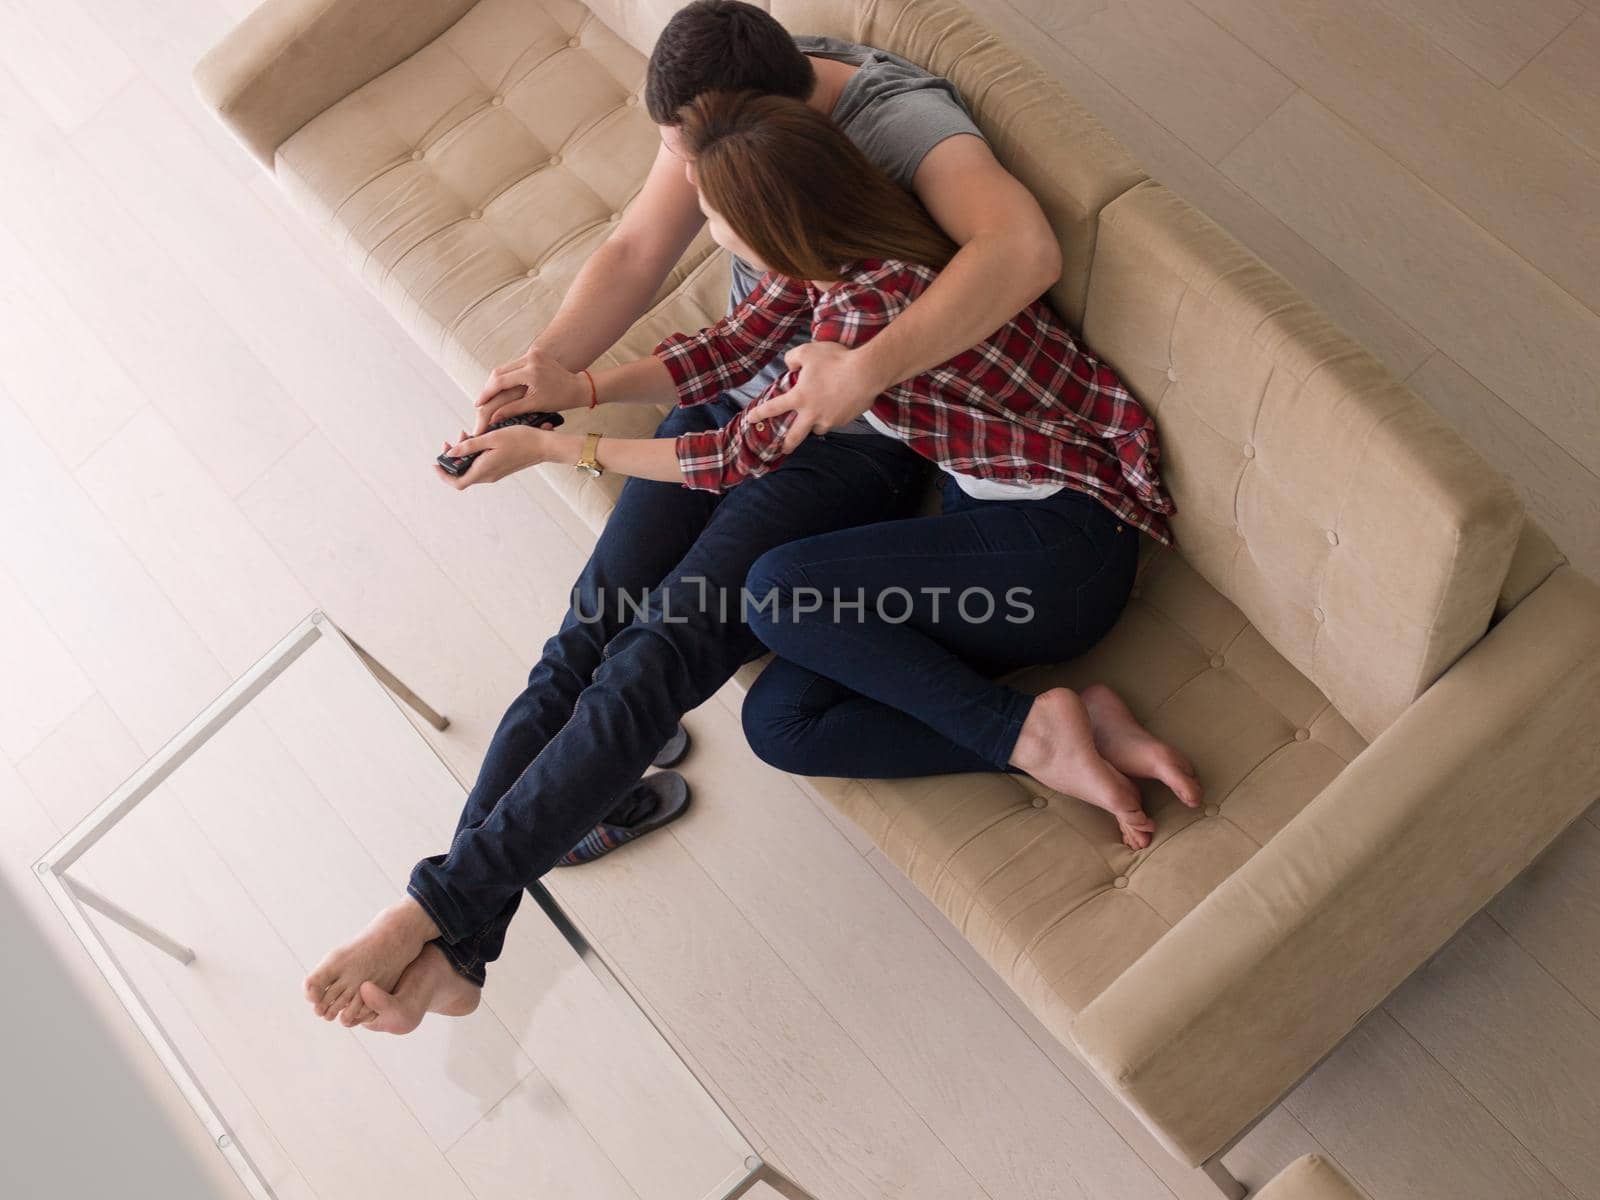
(796, 189)
(722, 45)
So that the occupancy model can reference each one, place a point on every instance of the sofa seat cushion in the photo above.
(469, 183)
(1041, 883)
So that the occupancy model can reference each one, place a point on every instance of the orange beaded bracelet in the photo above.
(594, 392)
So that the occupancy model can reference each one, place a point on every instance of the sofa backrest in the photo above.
(1364, 539)
(1045, 138)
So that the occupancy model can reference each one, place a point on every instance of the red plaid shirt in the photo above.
(1025, 406)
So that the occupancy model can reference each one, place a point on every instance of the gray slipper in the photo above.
(672, 753)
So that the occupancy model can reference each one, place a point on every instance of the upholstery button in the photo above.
(1216, 660)
(1333, 538)
(614, 218)
(498, 101)
(555, 160)
(632, 101)
(1301, 735)
(574, 43)
(416, 156)
(533, 272)
(1172, 374)
(1121, 881)
(1248, 450)
(1317, 614)
(1213, 809)
(1039, 802)
(476, 213)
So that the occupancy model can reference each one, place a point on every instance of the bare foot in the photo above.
(1057, 747)
(379, 953)
(429, 984)
(1134, 750)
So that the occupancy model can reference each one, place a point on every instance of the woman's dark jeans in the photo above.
(889, 635)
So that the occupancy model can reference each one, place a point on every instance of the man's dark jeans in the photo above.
(613, 683)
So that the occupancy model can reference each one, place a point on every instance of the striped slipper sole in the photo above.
(671, 793)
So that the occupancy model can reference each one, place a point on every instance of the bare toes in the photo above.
(1137, 828)
(338, 997)
(372, 996)
(388, 1015)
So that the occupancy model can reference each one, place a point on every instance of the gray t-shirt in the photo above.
(895, 112)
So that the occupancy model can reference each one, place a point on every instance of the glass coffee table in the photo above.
(271, 827)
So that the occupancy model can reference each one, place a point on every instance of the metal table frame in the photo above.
(75, 898)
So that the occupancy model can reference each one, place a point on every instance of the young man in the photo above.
(609, 692)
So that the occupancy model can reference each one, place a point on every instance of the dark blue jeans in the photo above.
(898, 679)
(655, 628)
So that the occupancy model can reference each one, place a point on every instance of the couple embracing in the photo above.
(884, 322)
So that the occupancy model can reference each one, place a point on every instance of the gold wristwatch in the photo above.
(587, 462)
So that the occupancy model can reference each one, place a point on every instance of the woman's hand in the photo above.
(500, 453)
(536, 382)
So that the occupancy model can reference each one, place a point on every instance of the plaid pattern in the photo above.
(1027, 405)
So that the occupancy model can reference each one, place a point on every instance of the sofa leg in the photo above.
(1219, 1175)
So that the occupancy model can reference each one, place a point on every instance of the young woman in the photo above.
(888, 635)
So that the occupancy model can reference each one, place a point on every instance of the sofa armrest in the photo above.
(290, 60)
(1311, 1177)
(1226, 1012)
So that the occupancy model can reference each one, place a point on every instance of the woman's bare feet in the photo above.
(1057, 747)
(1134, 750)
(429, 984)
(379, 954)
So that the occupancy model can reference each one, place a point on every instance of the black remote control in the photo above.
(457, 467)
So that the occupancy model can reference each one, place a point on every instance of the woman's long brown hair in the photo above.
(794, 187)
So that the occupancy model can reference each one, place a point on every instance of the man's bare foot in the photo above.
(1057, 747)
(429, 984)
(1134, 750)
(379, 954)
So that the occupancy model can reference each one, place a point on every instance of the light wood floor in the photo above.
(210, 428)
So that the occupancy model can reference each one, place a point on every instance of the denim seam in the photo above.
(470, 970)
(433, 915)
(799, 705)
(1010, 734)
(1101, 570)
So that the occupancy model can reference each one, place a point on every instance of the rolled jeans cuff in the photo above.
(438, 904)
(466, 962)
(1002, 743)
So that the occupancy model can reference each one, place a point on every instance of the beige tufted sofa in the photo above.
(1389, 679)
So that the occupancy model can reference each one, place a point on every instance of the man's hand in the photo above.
(500, 453)
(834, 386)
(536, 382)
